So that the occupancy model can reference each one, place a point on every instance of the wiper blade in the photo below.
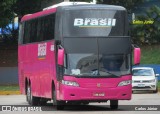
(97, 73)
(112, 74)
(104, 70)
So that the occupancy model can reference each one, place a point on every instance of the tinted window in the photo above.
(21, 33)
(90, 64)
(39, 29)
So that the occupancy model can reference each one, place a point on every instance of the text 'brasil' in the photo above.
(94, 22)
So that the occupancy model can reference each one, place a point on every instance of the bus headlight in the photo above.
(124, 83)
(70, 83)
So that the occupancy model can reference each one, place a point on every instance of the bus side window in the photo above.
(21, 33)
(49, 24)
(26, 33)
(40, 29)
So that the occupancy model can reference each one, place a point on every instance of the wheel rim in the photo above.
(54, 98)
(29, 94)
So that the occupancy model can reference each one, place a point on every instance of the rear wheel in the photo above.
(114, 104)
(42, 103)
(59, 105)
(30, 98)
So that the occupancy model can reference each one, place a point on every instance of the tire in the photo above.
(33, 101)
(27, 94)
(42, 103)
(114, 104)
(85, 103)
(59, 105)
(156, 91)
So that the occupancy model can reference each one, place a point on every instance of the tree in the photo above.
(24, 7)
(147, 33)
(128, 4)
(6, 12)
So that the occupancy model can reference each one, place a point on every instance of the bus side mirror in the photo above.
(137, 55)
(61, 57)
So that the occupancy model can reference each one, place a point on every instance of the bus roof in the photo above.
(66, 4)
(38, 14)
(92, 6)
(50, 10)
(71, 7)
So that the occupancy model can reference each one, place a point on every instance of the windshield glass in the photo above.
(94, 65)
(143, 72)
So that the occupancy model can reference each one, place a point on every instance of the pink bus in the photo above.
(76, 54)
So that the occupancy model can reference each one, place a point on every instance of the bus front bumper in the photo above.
(71, 93)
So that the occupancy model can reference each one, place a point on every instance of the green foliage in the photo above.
(6, 12)
(159, 84)
(150, 54)
(147, 33)
(31, 6)
(128, 4)
(26, 7)
(9, 88)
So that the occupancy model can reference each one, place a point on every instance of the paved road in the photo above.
(138, 100)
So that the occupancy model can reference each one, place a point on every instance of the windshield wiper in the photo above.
(97, 73)
(112, 74)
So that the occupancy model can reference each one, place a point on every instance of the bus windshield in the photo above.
(82, 64)
(97, 56)
(90, 22)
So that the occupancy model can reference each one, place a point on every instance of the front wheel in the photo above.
(114, 104)
(59, 105)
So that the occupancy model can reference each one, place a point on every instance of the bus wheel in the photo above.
(85, 103)
(28, 94)
(59, 105)
(114, 104)
(31, 99)
(42, 103)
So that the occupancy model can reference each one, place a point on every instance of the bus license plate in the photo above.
(141, 85)
(99, 94)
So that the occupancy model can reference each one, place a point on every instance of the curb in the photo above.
(9, 92)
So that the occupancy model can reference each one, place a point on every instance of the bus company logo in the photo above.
(20, 108)
(42, 50)
(98, 85)
(94, 22)
(6, 108)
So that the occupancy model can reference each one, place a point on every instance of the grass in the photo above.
(150, 54)
(9, 88)
(159, 84)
